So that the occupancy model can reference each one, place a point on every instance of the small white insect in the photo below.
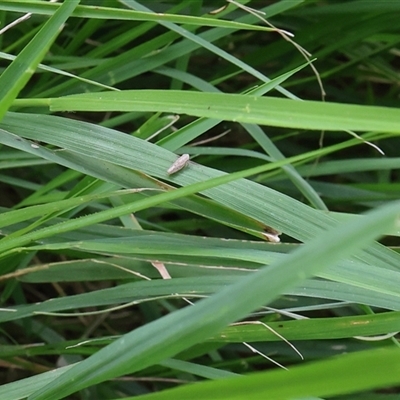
(180, 163)
(271, 237)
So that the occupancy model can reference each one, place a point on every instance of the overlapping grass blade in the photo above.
(14, 78)
(158, 340)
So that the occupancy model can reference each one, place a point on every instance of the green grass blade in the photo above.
(122, 14)
(346, 374)
(238, 108)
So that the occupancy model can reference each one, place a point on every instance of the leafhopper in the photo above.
(180, 163)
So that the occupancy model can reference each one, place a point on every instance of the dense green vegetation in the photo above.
(251, 271)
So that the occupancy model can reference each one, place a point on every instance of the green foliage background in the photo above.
(119, 280)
